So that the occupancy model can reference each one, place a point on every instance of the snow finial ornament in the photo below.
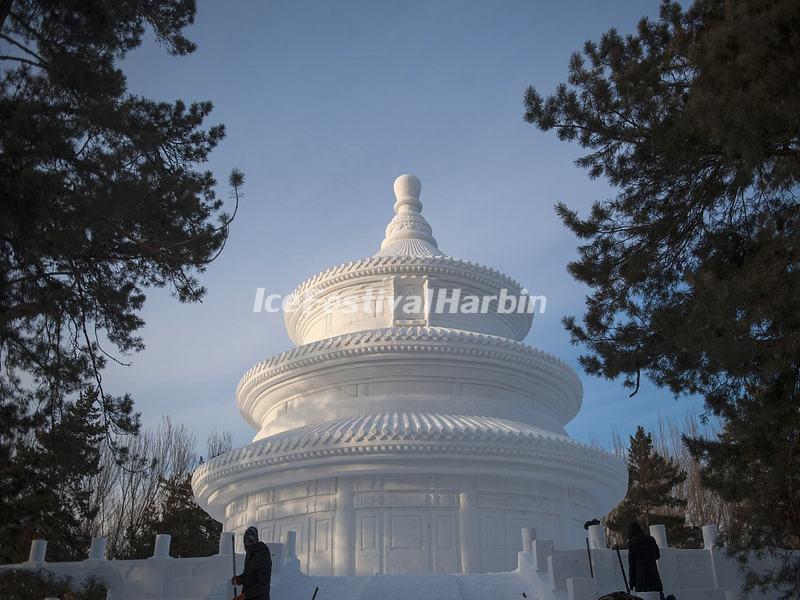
(408, 233)
(406, 190)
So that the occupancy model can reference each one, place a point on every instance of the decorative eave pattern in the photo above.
(409, 433)
(410, 247)
(412, 340)
(407, 265)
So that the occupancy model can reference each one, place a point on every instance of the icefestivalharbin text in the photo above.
(442, 301)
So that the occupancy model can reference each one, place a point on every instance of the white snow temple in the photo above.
(397, 441)
(410, 446)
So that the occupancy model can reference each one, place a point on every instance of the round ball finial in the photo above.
(406, 191)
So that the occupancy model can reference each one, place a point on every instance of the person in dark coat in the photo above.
(255, 578)
(642, 556)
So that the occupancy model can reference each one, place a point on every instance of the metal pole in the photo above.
(233, 554)
(589, 554)
(624, 577)
(588, 551)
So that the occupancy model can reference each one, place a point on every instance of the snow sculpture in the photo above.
(403, 434)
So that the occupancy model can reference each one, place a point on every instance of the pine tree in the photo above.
(754, 465)
(104, 195)
(19, 583)
(651, 499)
(49, 498)
(193, 531)
(694, 261)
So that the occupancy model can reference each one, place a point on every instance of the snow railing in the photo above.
(161, 576)
(702, 574)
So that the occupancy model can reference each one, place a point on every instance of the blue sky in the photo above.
(325, 103)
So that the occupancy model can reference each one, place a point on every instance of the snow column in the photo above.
(345, 524)
(468, 526)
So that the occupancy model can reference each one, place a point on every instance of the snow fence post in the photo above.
(528, 535)
(659, 532)
(37, 553)
(97, 550)
(710, 536)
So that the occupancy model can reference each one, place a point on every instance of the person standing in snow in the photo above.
(255, 578)
(643, 553)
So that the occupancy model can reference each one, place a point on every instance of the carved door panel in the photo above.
(320, 556)
(299, 526)
(493, 542)
(406, 539)
(444, 542)
(368, 542)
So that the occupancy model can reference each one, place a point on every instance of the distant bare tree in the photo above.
(101, 490)
(702, 505)
(127, 495)
(219, 442)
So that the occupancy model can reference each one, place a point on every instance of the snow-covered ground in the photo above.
(499, 586)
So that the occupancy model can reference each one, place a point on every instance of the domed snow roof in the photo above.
(372, 293)
(407, 426)
(382, 438)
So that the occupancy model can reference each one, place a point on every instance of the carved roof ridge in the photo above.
(430, 429)
(351, 270)
(398, 334)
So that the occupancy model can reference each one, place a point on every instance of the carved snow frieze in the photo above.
(536, 504)
(237, 521)
(369, 483)
(238, 505)
(296, 506)
(404, 499)
(494, 500)
(265, 513)
(408, 222)
(327, 297)
(265, 497)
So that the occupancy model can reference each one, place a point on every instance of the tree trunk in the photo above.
(5, 9)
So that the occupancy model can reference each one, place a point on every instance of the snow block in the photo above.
(581, 588)
(541, 550)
